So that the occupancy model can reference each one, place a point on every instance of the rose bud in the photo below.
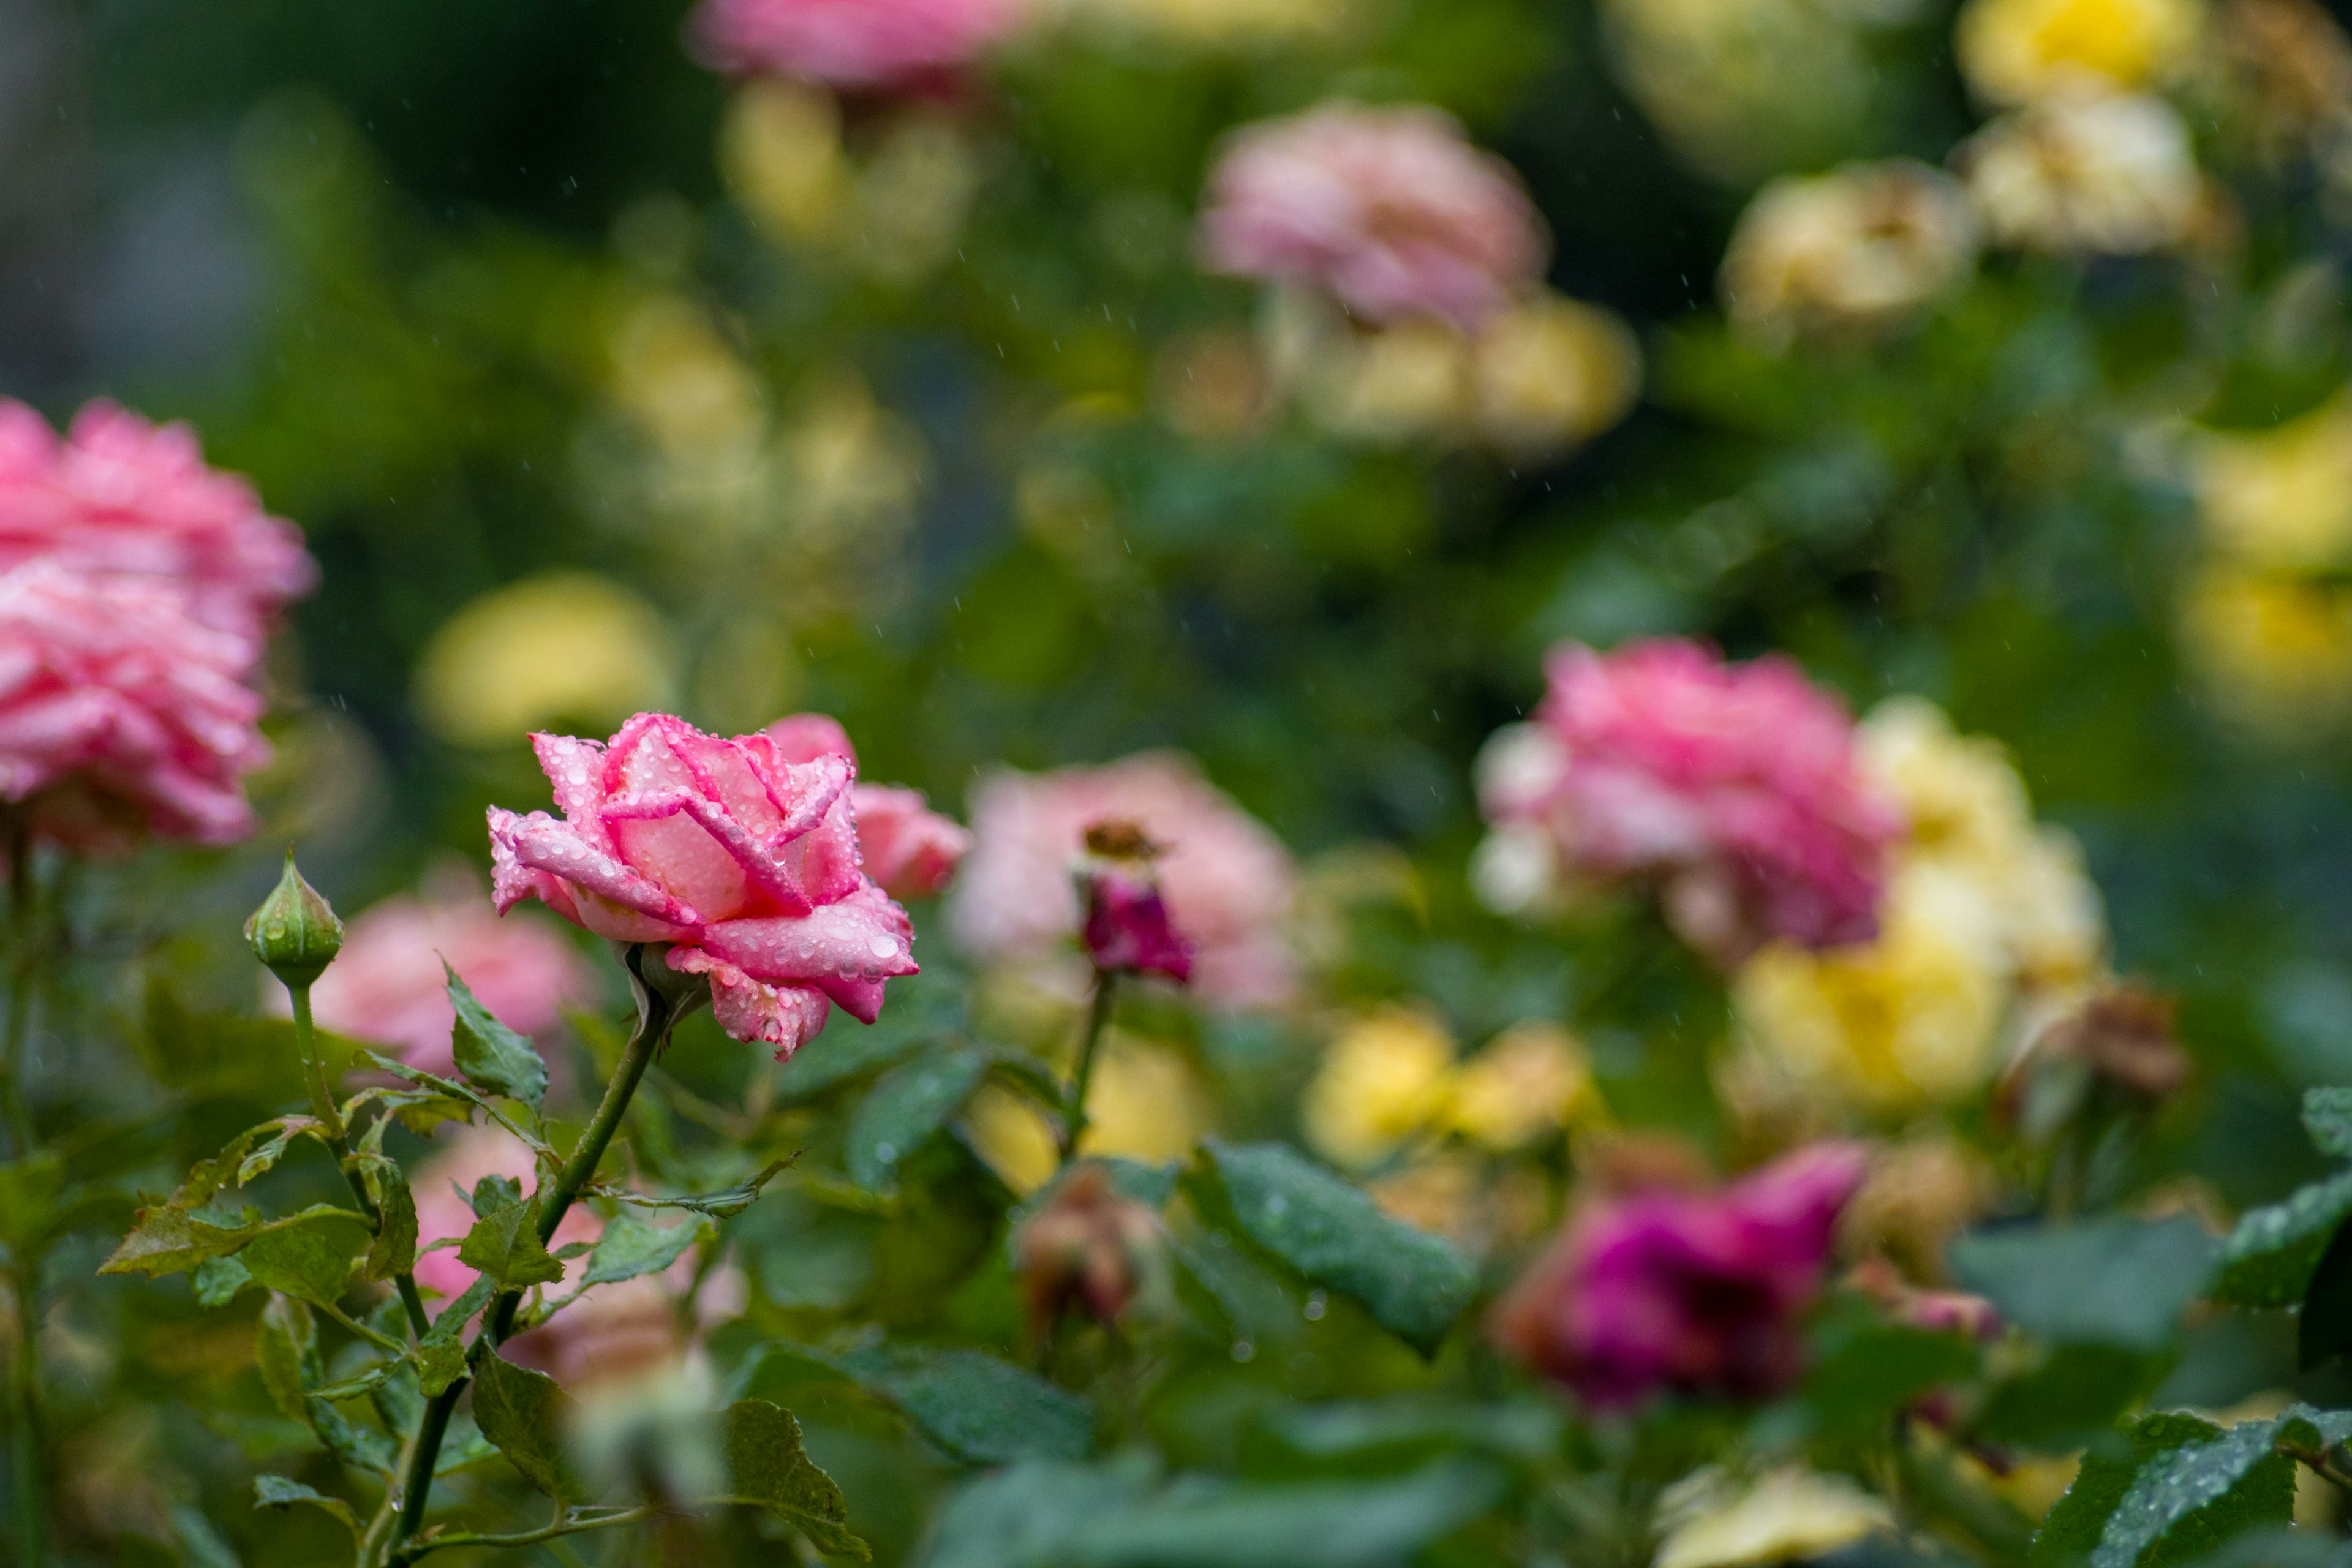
(295, 931)
(1127, 930)
(1089, 1250)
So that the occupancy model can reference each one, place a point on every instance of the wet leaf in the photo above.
(489, 1056)
(769, 1468)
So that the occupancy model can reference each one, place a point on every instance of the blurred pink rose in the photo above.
(912, 850)
(742, 861)
(386, 987)
(121, 496)
(613, 1329)
(120, 714)
(1734, 785)
(1698, 1292)
(1229, 883)
(850, 43)
(1391, 210)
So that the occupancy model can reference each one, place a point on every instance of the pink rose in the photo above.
(1127, 929)
(743, 862)
(1229, 884)
(1391, 211)
(912, 850)
(1734, 786)
(1699, 1292)
(387, 986)
(121, 496)
(120, 714)
(850, 43)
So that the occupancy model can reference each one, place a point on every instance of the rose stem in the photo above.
(1097, 1018)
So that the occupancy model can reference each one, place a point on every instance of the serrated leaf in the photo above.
(288, 1127)
(525, 1415)
(2117, 1281)
(218, 1279)
(630, 1247)
(441, 1354)
(489, 1056)
(1413, 1284)
(281, 1491)
(973, 1406)
(393, 1251)
(905, 1108)
(493, 1193)
(2327, 1116)
(302, 1261)
(2269, 1258)
(2189, 1499)
(168, 1239)
(286, 1349)
(768, 1467)
(504, 1246)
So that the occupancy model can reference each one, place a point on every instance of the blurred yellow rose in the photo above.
(565, 646)
(2275, 647)
(1550, 372)
(894, 204)
(1745, 88)
(2280, 499)
(2110, 175)
(1783, 1516)
(1406, 382)
(1531, 1080)
(1144, 1103)
(1387, 1078)
(780, 149)
(1858, 248)
(1012, 1134)
(2021, 51)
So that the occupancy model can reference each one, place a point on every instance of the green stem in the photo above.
(27, 1476)
(25, 1469)
(24, 965)
(1097, 1018)
(338, 1136)
(565, 1523)
(657, 1012)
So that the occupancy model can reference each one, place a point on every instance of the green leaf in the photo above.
(2117, 1281)
(288, 1127)
(302, 1261)
(441, 1354)
(1526, 1430)
(279, 1491)
(525, 1414)
(28, 1198)
(490, 1056)
(1857, 1386)
(1415, 1284)
(2189, 1499)
(769, 1468)
(166, 1239)
(2073, 1395)
(218, 1279)
(2269, 1258)
(725, 1204)
(2327, 1116)
(394, 1252)
(504, 1245)
(2322, 1330)
(630, 1247)
(287, 1352)
(973, 1406)
(840, 1056)
(902, 1111)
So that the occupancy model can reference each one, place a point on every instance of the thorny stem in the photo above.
(1097, 1016)
(338, 1137)
(657, 1012)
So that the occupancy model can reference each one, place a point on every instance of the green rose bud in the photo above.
(295, 931)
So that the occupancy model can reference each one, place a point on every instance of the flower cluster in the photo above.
(1733, 788)
(1391, 1077)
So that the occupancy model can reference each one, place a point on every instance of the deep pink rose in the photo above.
(742, 861)
(120, 714)
(1698, 1292)
(1391, 211)
(120, 496)
(910, 849)
(387, 987)
(1734, 786)
(850, 43)
(1229, 884)
(1127, 929)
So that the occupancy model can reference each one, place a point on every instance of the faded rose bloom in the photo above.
(744, 862)
(1733, 786)
(1126, 929)
(1391, 211)
(1698, 1292)
(387, 986)
(2112, 175)
(1854, 251)
(119, 496)
(2118, 1037)
(121, 715)
(858, 44)
(1087, 1248)
(910, 849)
(1228, 883)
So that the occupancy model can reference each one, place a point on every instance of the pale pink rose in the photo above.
(387, 986)
(120, 714)
(1734, 786)
(1391, 211)
(121, 496)
(1229, 884)
(743, 862)
(850, 43)
(910, 849)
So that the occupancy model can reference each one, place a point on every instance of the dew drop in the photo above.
(1316, 1305)
(1243, 1351)
(882, 946)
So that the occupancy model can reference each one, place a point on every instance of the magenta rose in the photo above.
(1390, 211)
(910, 849)
(1734, 788)
(120, 715)
(857, 44)
(1697, 1292)
(744, 862)
(119, 496)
